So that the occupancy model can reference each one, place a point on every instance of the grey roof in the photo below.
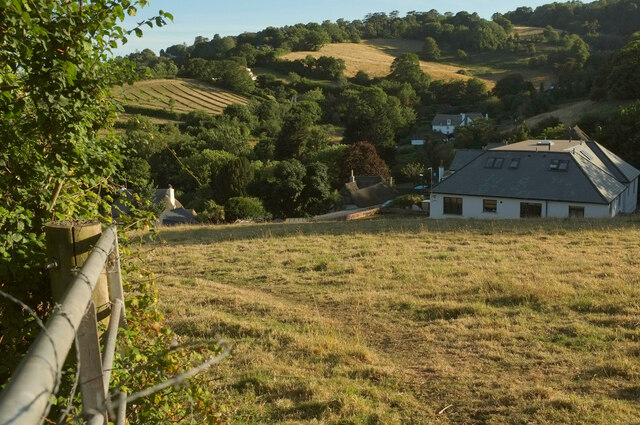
(177, 216)
(366, 181)
(623, 171)
(463, 157)
(586, 179)
(367, 196)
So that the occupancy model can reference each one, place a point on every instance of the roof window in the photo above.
(558, 165)
(514, 164)
(494, 163)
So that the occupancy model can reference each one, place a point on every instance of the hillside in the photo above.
(175, 95)
(395, 321)
(375, 58)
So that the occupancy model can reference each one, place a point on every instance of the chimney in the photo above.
(172, 197)
(440, 172)
(486, 116)
(352, 179)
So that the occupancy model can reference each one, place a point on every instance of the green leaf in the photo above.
(118, 12)
(132, 11)
(138, 32)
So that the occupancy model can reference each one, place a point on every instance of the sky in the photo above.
(232, 17)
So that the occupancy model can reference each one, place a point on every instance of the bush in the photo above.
(241, 208)
(406, 201)
(212, 213)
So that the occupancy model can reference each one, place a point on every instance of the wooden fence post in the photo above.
(70, 243)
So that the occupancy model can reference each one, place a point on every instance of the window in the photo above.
(558, 165)
(515, 163)
(576, 211)
(489, 205)
(528, 209)
(452, 206)
(494, 163)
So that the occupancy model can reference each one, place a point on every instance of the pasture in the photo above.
(412, 321)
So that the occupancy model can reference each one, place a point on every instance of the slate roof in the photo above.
(623, 171)
(463, 157)
(367, 191)
(583, 177)
(177, 216)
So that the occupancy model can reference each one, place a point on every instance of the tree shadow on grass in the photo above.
(306, 410)
(628, 393)
(189, 235)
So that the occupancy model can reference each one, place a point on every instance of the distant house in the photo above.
(367, 191)
(174, 213)
(539, 178)
(447, 123)
(417, 140)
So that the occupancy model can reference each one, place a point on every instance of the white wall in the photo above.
(629, 198)
(510, 208)
(444, 129)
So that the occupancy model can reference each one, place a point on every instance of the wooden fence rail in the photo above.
(25, 400)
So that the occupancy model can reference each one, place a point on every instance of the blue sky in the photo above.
(209, 17)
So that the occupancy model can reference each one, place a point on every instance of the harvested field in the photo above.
(177, 95)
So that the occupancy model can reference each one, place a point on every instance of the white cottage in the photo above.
(539, 178)
(447, 123)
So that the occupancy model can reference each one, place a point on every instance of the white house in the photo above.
(447, 123)
(539, 178)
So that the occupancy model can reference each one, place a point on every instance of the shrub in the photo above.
(241, 208)
(406, 201)
(212, 213)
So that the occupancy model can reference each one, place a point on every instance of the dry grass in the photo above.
(527, 31)
(375, 58)
(389, 321)
(187, 95)
(569, 113)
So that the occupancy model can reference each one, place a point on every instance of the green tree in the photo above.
(430, 49)
(406, 68)
(412, 170)
(55, 83)
(232, 180)
(316, 190)
(241, 208)
(623, 81)
(284, 191)
(479, 133)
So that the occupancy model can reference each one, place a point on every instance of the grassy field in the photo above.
(177, 95)
(375, 58)
(570, 113)
(412, 321)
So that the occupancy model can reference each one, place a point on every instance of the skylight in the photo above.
(515, 163)
(558, 165)
(494, 163)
